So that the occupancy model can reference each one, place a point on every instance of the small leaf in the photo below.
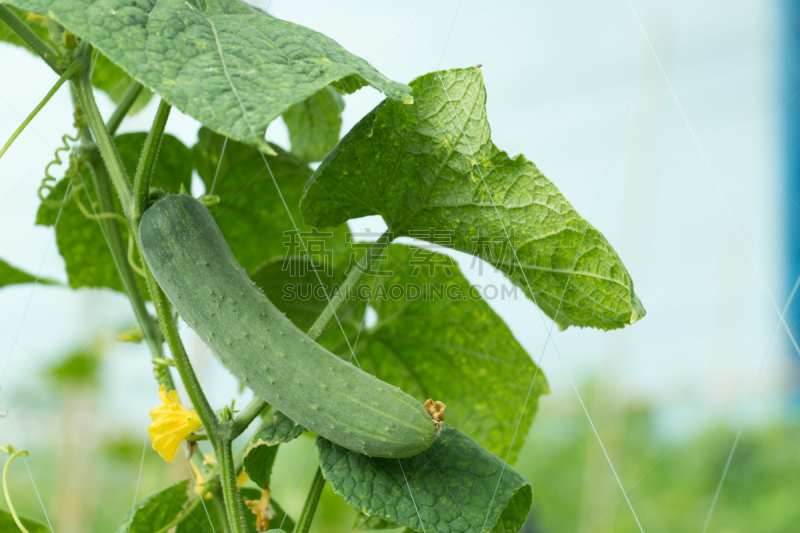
(11, 276)
(428, 165)
(259, 457)
(452, 484)
(199, 519)
(452, 347)
(79, 368)
(228, 64)
(112, 80)
(7, 524)
(251, 213)
(80, 240)
(314, 124)
(157, 510)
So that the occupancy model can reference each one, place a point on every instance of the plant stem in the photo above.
(104, 142)
(182, 363)
(144, 169)
(227, 475)
(123, 107)
(247, 415)
(117, 246)
(219, 503)
(39, 47)
(336, 301)
(14, 455)
(64, 77)
(310, 507)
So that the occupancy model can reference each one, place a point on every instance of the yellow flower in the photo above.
(171, 424)
(200, 482)
(241, 479)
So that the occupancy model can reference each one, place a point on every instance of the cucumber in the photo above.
(193, 264)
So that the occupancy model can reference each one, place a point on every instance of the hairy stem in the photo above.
(123, 107)
(246, 416)
(328, 315)
(104, 141)
(117, 246)
(234, 507)
(64, 77)
(40, 47)
(170, 330)
(312, 500)
(144, 169)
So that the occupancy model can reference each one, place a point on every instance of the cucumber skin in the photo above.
(191, 261)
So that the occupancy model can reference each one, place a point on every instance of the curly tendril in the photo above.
(14, 454)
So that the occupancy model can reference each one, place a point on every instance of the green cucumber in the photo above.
(191, 261)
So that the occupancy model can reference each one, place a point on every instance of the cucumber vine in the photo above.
(374, 435)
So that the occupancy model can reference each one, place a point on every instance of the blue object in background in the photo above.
(792, 151)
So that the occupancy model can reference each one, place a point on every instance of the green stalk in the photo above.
(328, 315)
(312, 500)
(246, 416)
(104, 141)
(123, 107)
(40, 47)
(170, 330)
(64, 77)
(117, 246)
(14, 454)
(234, 507)
(146, 165)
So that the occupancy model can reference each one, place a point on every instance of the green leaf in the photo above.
(112, 80)
(157, 510)
(198, 520)
(413, 165)
(259, 457)
(228, 64)
(452, 484)
(443, 341)
(80, 240)
(10, 276)
(314, 124)
(251, 213)
(7, 524)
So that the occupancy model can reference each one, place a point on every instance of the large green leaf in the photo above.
(80, 240)
(11, 276)
(416, 167)
(452, 484)
(259, 457)
(201, 518)
(156, 511)
(441, 340)
(224, 62)
(251, 213)
(7, 524)
(314, 124)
